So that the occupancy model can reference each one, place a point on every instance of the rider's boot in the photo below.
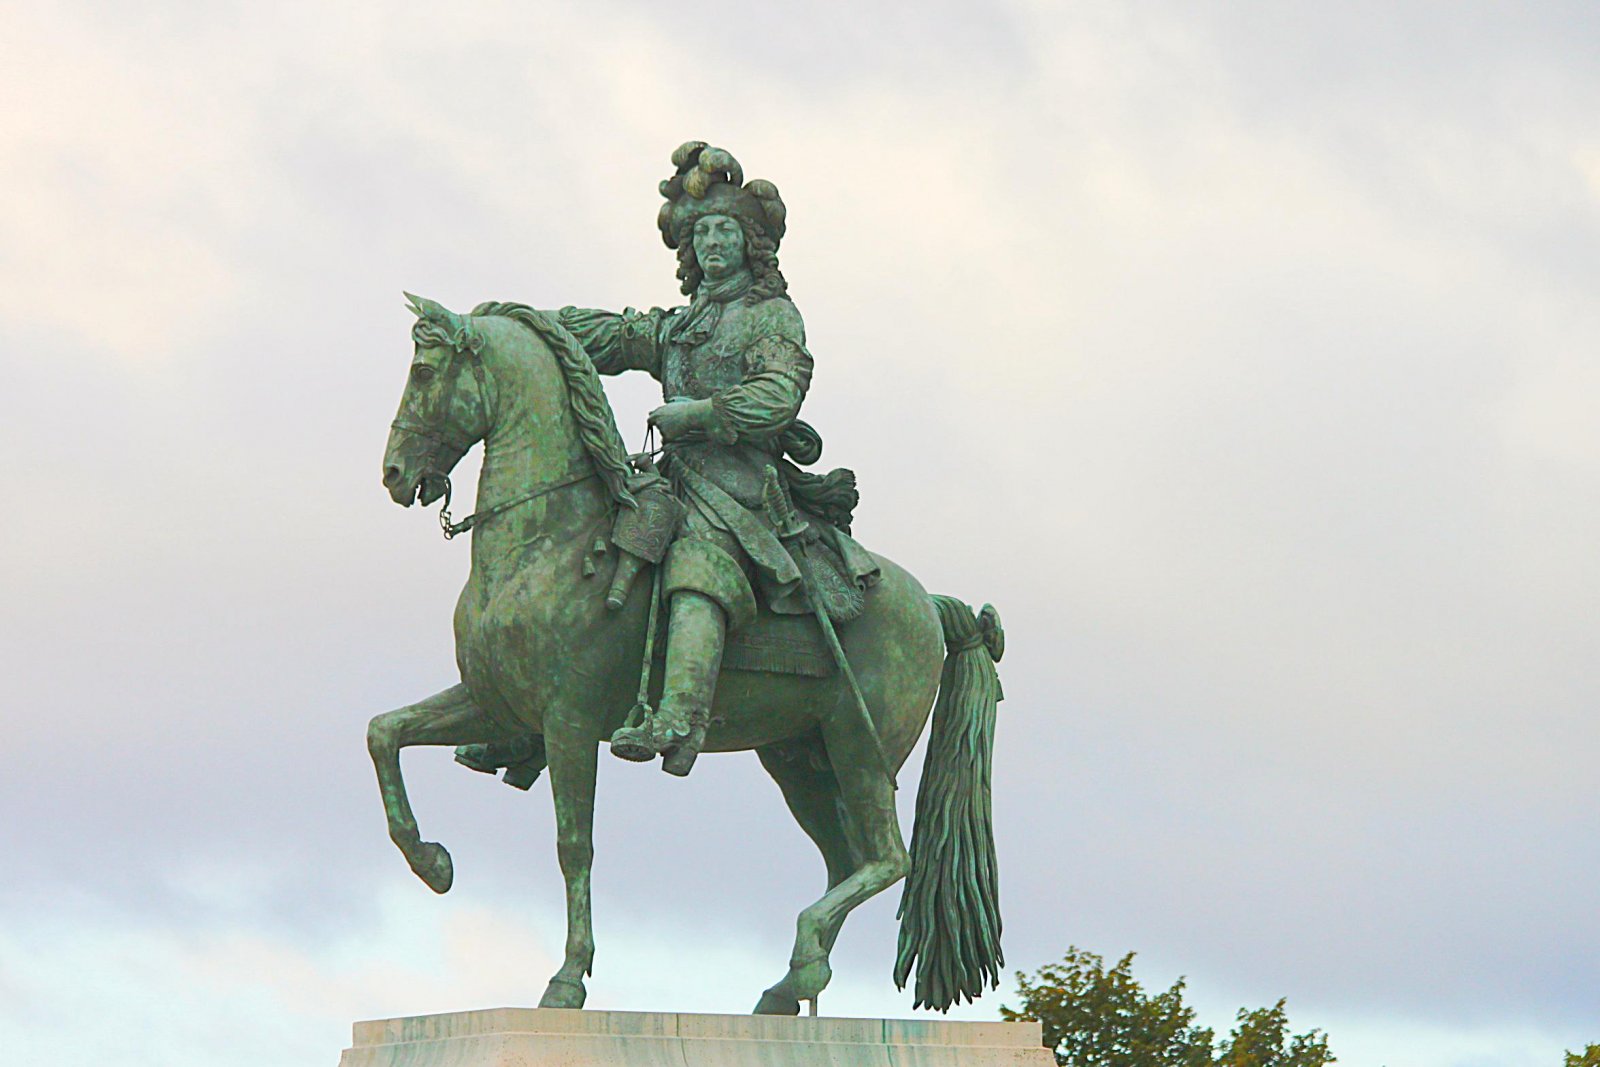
(523, 758)
(696, 631)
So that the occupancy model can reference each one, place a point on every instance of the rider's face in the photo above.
(718, 246)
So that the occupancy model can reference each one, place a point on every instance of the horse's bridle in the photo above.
(467, 341)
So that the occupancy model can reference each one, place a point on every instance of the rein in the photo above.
(451, 529)
(437, 441)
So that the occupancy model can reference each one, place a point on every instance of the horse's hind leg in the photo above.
(812, 792)
(447, 718)
(874, 832)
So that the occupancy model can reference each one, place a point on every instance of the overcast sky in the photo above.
(1243, 355)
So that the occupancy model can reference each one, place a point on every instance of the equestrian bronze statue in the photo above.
(705, 596)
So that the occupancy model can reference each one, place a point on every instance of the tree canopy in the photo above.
(1098, 1017)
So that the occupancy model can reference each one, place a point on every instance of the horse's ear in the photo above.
(433, 311)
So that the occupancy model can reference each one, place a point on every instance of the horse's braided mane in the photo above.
(597, 426)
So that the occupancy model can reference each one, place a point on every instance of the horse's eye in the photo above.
(422, 374)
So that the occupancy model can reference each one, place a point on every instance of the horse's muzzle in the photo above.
(401, 490)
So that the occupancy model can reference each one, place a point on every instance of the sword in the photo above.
(791, 529)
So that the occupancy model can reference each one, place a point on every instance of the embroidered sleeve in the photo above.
(616, 342)
(767, 401)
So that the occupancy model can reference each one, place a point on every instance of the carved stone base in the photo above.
(553, 1037)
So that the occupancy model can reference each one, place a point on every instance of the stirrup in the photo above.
(632, 743)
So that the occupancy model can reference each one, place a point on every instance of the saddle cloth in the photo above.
(779, 644)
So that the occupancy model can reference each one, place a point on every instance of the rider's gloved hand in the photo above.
(681, 418)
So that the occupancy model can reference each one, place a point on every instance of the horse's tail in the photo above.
(950, 913)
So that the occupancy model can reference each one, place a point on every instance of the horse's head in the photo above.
(444, 409)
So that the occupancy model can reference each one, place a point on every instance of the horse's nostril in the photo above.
(391, 476)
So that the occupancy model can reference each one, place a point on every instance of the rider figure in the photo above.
(734, 370)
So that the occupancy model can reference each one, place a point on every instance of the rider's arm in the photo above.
(769, 398)
(617, 342)
(777, 375)
(763, 405)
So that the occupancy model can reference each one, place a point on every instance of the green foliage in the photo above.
(1589, 1057)
(1095, 1017)
(1262, 1039)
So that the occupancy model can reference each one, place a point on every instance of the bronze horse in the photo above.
(542, 659)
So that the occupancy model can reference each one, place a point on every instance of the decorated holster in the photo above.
(644, 532)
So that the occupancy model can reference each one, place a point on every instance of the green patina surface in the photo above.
(705, 596)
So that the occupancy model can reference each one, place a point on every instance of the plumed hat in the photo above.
(711, 182)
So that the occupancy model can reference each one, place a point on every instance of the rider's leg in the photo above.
(695, 638)
(710, 595)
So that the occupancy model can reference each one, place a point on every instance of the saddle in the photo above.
(779, 644)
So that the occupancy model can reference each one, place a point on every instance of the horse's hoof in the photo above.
(561, 993)
(433, 866)
(772, 1003)
(810, 978)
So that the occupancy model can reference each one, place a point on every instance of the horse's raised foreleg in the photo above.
(447, 718)
(572, 749)
(874, 834)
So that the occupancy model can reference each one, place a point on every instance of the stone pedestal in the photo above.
(553, 1037)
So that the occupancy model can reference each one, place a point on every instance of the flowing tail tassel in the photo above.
(950, 912)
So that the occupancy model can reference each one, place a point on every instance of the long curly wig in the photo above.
(709, 181)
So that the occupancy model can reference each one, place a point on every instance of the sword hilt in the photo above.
(780, 509)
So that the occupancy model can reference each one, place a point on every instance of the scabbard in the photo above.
(832, 637)
(791, 531)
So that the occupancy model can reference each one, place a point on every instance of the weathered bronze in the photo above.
(782, 634)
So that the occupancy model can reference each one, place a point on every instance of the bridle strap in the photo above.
(438, 440)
